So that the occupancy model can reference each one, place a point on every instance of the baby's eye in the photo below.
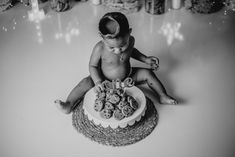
(124, 47)
(111, 48)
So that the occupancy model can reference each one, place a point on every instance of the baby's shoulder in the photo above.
(98, 47)
(100, 43)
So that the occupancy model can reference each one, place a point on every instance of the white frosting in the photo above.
(88, 106)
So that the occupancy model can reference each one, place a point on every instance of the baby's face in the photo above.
(117, 45)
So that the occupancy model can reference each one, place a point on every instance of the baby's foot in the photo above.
(63, 106)
(167, 100)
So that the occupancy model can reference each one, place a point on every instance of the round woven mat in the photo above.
(118, 136)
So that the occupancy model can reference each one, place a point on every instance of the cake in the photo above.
(115, 103)
(116, 106)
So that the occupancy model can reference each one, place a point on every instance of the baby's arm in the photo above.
(150, 60)
(136, 54)
(94, 64)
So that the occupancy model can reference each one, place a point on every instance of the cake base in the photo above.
(118, 136)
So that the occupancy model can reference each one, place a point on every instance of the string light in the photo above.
(35, 14)
(4, 28)
(40, 40)
(171, 32)
(225, 12)
(71, 30)
(37, 27)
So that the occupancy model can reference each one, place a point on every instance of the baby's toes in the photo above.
(174, 102)
(168, 100)
(62, 106)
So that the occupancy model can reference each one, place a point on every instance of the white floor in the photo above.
(40, 62)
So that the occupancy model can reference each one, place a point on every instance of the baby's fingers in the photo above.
(99, 88)
(155, 60)
(154, 66)
(96, 89)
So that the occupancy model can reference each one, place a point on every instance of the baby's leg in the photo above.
(76, 95)
(146, 75)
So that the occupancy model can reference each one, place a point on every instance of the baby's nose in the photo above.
(118, 50)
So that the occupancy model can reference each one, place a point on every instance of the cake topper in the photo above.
(118, 84)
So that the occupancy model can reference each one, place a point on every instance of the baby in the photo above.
(110, 60)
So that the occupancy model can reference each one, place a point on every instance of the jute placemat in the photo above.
(118, 136)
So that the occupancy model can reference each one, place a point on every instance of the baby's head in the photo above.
(114, 29)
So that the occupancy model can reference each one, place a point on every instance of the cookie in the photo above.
(121, 104)
(107, 85)
(133, 103)
(120, 92)
(118, 115)
(127, 110)
(106, 114)
(114, 98)
(109, 106)
(108, 95)
(110, 91)
(101, 95)
(99, 105)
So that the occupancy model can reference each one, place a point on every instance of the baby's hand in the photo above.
(153, 62)
(98, 87)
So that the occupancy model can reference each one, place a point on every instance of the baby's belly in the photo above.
(116, 72)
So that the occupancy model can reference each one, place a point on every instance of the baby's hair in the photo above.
(113, 25)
